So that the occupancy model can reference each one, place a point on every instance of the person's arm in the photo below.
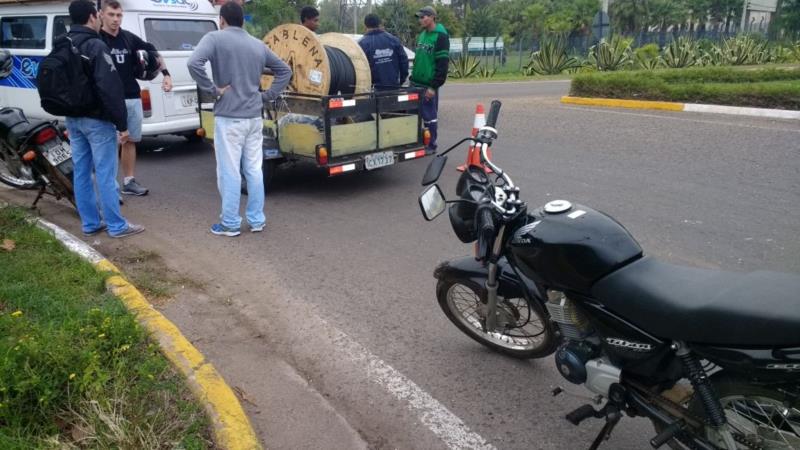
(282, 74)
(108, 83)
(401, 51)
(441, 54)
(196, 65)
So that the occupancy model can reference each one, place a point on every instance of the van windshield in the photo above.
(175, 34)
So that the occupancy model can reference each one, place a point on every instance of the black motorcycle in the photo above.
(712, 358)
(35, 155)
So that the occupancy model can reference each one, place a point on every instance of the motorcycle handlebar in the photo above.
(486, 230)
(494, 111)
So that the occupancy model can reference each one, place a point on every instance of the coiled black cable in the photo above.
(343, 74)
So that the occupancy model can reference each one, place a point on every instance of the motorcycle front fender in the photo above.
(510, 283)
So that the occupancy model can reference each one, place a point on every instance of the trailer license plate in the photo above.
(376, 160)
(57, 153)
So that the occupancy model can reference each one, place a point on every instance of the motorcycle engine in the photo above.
(580, 360)
(571, 321)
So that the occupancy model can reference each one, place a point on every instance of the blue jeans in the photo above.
(94, 146)
(237, 146)
(430, 113)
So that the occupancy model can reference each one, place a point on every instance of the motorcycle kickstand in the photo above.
(42, 191)
(613, 416)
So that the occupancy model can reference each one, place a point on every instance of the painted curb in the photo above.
(685, 107)
(231, 427)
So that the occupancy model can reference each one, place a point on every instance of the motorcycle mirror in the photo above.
(434, 170)
(432, 202)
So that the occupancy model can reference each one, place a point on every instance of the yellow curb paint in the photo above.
(618, 103)
(232, 428)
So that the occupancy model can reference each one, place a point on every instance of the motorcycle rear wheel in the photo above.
(14, 173)
(527, 331)
(765, 416)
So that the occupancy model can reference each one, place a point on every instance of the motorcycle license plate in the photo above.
(377, 160)
(57, 153)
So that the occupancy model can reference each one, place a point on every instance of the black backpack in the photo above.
(65, 83)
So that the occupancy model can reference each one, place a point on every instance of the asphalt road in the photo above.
(344, 268)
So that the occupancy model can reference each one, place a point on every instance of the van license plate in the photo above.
(57, 153)
(187, 101)
(377, 160)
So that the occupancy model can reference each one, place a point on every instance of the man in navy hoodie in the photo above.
(387, 57)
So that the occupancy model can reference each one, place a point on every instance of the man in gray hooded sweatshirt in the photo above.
(237, 62)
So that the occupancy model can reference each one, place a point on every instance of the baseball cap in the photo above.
(426, 11)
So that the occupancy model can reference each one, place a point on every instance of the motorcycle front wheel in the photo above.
(524, 330)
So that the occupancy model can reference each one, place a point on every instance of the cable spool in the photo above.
(329, 64)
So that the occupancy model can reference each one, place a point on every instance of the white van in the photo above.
(27, 30)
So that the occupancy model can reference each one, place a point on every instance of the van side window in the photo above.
(60, 26)
(171, 34)
(23, 32)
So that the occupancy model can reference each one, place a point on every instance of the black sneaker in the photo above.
(134, 188)
(130, 231)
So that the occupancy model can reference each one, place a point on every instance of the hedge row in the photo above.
(762, 88)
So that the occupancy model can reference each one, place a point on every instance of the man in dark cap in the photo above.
(430, 66)
(387, 58)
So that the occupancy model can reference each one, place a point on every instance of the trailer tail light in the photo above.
(322, 155)
(426, 137)
(45, 135)
(147, 105)
(342, 169)
(29, 156)
(201, 132)
(412, 155)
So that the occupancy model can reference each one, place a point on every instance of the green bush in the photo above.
(739, 50)
(680, 53)
(551, 59)
(766, 88)
(646, 57)
(611, 56)
(463, 67)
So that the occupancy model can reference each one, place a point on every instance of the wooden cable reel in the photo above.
(328, 64)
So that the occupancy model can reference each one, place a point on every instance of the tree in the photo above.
(482, 22)
(267, 14)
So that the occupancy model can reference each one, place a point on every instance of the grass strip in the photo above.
(76, 369)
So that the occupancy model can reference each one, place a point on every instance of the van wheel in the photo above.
(193, 138)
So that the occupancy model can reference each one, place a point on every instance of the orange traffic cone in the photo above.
(480, 120)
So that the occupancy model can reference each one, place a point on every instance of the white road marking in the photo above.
(435, 416)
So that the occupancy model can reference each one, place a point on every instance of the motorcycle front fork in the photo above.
(491, 282)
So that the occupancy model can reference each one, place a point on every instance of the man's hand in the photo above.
(221, 91)
(166, 84)
(123, 137)
(429, 93)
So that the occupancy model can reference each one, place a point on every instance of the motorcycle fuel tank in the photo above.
(569, 247)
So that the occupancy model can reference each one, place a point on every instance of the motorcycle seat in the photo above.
(17, 134)
(705, 306)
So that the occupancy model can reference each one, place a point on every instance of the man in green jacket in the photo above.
(430, 66)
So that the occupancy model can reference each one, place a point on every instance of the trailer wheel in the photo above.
(268, 169)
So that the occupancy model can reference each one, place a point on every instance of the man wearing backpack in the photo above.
(93, 132)
(123, 46)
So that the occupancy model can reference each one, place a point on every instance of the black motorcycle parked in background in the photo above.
(35, 155)
(712, 358)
